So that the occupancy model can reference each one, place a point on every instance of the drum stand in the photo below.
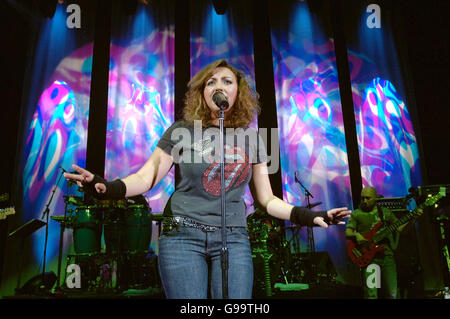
(119, 278)
(310, 231)
(114, 257)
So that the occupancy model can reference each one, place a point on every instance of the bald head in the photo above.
(368, 198)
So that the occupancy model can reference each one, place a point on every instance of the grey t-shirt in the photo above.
(196, 151)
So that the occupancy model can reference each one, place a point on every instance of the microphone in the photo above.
(220, 100)
(63, 169)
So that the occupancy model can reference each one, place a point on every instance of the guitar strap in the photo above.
(380, 213)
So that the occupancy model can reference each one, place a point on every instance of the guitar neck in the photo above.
(4, 212)
(388, 230)
(394, 227)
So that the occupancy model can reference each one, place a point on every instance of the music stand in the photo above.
(22, 232)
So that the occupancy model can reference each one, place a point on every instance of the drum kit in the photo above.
(111, 243)
(276, 257)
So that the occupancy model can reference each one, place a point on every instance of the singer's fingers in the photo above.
(87, 176)
(341, 212)
(74, 177)
(79, 169)
(345, 214)
(320, 222)
(100, 188)
(338, 210)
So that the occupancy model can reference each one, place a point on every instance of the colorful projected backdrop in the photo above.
(228, 37)
(387, 144)
(141, 98)
(56, 138)
(311, 130)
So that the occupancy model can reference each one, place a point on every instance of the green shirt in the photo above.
(363, 222)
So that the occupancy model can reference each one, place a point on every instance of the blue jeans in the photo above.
(189, 257)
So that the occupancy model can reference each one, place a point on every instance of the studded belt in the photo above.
(174, 222)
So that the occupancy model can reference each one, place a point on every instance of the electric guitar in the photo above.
(362, 255)
(4, 212)
(4, 197)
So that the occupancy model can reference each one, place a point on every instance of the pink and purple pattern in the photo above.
(387, 144)
(56, 138)
(312, 138)
(140, 107)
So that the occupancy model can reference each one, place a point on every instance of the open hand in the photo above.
(335, 217)
(84, 177)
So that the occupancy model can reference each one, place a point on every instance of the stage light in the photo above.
(129, 7)
(46, 8)
(220, 6)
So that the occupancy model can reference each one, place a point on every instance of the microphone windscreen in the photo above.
(220, 100)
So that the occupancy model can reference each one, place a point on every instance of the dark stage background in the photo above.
(165, 46)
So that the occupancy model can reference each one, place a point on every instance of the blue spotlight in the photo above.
(220, 6)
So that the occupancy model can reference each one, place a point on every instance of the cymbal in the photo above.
(157, 217)
(61, 219)
(73, 200)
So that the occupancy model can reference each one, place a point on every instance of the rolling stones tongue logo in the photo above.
(237, 168)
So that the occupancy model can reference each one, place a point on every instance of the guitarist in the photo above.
(361, 221)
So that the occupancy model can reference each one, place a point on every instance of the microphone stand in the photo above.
(46, 214)
(310, 231)
(224, 250)
(61, 241)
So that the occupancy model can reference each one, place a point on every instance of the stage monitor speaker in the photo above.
(409, 269)
(318, 266)
(38, 284)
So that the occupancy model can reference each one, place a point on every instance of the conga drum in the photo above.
(137, 224)
(87, 230)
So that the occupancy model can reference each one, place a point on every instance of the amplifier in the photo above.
(433, 189)
(395, 204)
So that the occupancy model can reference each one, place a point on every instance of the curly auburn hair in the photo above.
(245, 108)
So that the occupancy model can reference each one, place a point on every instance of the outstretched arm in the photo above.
(279, 208)
(156, 167)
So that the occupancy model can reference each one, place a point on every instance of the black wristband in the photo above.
(114, 190)
(305, 217)
(89, 188)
